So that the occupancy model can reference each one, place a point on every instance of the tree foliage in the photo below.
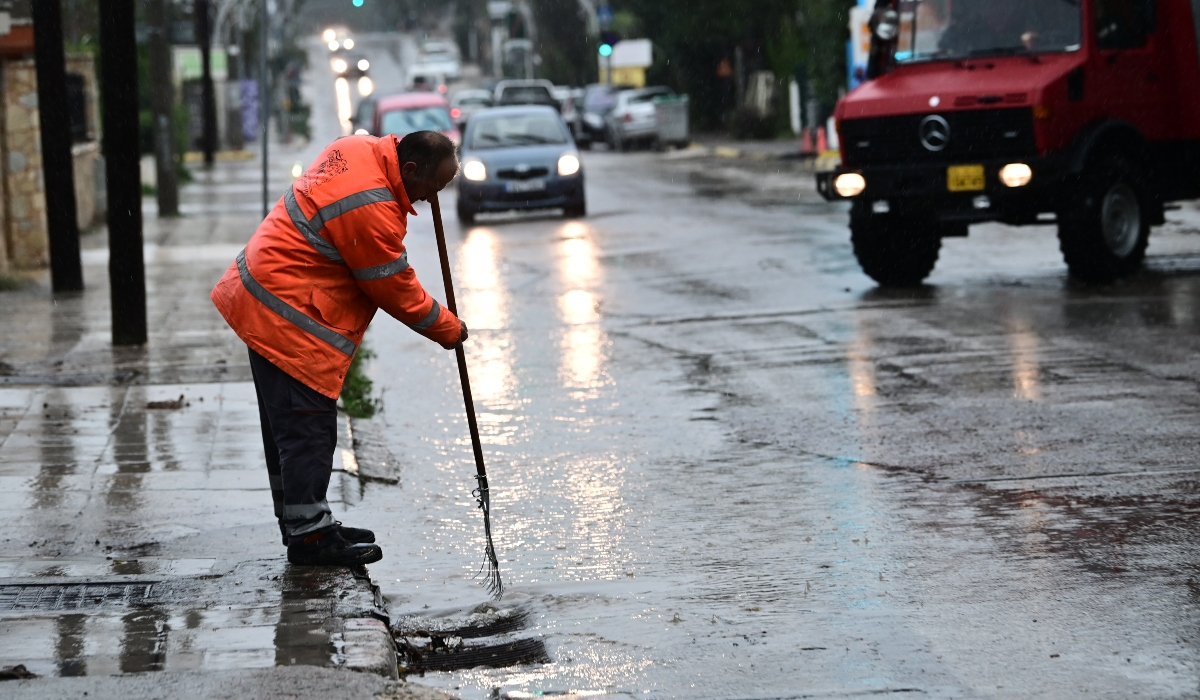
(693, 37)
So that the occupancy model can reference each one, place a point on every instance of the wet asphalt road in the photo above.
(725, 464)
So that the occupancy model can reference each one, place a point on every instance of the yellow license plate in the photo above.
(964, 178)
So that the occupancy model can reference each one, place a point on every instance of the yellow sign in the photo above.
(635, 77)
(965, 178)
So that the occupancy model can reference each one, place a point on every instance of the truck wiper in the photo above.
(999, 51)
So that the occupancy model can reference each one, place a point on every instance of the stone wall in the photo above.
(25, 223)
(22, 191)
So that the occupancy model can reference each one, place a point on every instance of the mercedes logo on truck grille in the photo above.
(935, 133)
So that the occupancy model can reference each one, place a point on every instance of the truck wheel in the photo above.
(1103, 233)
(895, 250)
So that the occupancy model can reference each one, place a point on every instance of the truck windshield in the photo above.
(954, 29)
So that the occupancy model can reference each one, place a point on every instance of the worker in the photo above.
(301, 295)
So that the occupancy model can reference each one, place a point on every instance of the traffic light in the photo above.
(358, 3)
(607, 41)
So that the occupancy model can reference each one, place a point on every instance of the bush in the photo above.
(356, 392)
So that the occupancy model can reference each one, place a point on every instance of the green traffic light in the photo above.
(358, 3)
(605, 50)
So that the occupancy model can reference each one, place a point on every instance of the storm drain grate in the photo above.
(72, 596)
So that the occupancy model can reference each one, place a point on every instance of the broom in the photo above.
(494, 585)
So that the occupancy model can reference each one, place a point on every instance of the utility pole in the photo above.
(66, 267)
(162, 100)
(264, 100)
(207, 97)
(119, 90)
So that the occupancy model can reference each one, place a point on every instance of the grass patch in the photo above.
(356, 392)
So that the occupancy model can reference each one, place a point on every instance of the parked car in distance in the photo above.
(525, 92)
(364, 115)
(633, 118)
(519, 157)
(446, 64)
(597, 101)
(464, 103)
(572, 112)
(413, 111)
(422, 80)
(437, 46)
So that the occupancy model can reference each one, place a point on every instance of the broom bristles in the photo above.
(491, 581)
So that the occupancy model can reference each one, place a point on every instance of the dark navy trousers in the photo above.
(299, 430)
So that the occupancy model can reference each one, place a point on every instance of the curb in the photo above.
(361, 624)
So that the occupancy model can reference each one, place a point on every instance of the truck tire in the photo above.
(1103, 232)
(895, 250)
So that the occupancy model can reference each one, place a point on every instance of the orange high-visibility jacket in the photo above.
(327, 257)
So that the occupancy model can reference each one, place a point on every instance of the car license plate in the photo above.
(964, 178)
(526, 186)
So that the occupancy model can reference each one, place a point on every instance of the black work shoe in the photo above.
(353, 535)
(356, 535)
(328, 548)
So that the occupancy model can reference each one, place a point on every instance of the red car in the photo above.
(414, 111)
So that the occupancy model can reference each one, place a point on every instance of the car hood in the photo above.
(543, 155)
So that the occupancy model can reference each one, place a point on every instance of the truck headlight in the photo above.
(474, 170)
(850, 184)
(1016, 174)
(568, 164)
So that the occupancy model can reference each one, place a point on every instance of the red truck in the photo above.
(1083, 113)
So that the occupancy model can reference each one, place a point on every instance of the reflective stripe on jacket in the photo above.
(324, 260)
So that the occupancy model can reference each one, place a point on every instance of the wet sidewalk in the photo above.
(140, 535)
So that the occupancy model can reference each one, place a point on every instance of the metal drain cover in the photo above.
(72, 596)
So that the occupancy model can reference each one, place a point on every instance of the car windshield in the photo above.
(516, 130)
(473, 100)
(953, 29)
(530, 93)
(406, 121)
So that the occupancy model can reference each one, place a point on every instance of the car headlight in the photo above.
(593, 120)
(568, 164)
(1016, 174)
(339, 65)
(474, 170)
(850, 184)
(364, 64)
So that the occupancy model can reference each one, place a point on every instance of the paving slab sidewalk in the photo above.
(139, 533)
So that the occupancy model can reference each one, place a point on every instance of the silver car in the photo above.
(634, 119)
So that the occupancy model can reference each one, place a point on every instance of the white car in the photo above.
(444, 62)
(634, 119)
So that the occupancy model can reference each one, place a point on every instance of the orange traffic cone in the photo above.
(822, 140)
(806, 141)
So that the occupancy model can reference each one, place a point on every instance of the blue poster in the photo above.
(250, 126)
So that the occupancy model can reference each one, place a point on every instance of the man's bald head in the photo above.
(428, 162)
